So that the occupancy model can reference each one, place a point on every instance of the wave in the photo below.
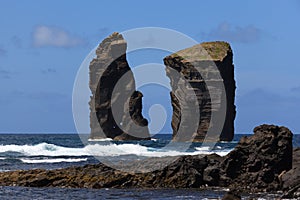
(205, 150)
(42, 149)
(56, 160)
(99, 140)
(45, 149)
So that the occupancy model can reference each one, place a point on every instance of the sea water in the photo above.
(52, 151)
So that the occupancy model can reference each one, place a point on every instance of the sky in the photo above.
(43, 43)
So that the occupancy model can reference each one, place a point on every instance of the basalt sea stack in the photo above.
(203, 92)
(115, 105)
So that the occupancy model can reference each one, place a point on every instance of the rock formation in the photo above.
(257, 161)
(201, 95)
(203, 69)
(254, 165)
(291, 179)
(115, 106)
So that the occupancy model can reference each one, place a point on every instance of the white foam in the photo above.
(56, 160)
(206, 151)
(45, 149)
(99, 140)
(4, 170)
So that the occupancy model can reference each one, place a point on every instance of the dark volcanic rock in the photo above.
(258, 160)
(198, 92)
(232, 195)
(185, 172)
(115, 106)
(291, 179)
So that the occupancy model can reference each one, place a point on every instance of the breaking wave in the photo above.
(55, 160)
(111, 149)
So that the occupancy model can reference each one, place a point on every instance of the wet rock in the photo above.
(197, 76)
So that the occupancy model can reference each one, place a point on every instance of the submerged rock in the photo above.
(115, 106)
(203, 92)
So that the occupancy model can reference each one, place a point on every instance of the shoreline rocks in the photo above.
(291, 179)
(257, 161)
(255, 165)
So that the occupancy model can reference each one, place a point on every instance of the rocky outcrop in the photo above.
(197, 76)
(186, 172)
(291, 179)
(254, 165)
(257, 161)
(115, 106)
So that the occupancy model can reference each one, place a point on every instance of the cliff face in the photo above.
(115, 106)
(203, 69)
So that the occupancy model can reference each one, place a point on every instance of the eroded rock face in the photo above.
(115, 106)
(203, 69)
(257, 161)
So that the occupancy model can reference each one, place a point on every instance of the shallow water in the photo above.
(24, 193)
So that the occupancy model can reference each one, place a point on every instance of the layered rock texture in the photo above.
(203, 92)
(115, 105)
(255, 165)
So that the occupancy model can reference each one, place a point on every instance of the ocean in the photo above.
(52, 151)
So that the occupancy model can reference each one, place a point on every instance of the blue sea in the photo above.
(52, 151)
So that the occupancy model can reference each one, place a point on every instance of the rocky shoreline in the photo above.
(263, 162)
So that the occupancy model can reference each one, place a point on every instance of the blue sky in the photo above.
(42, 44)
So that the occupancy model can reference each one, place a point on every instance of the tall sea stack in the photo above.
(207, 81)
(115, 105)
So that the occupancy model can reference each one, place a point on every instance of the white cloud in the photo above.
(55, 37)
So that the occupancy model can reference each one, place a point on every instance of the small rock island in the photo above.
(109, 67)
(206, 67)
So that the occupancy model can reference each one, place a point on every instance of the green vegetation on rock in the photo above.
(205, 51)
